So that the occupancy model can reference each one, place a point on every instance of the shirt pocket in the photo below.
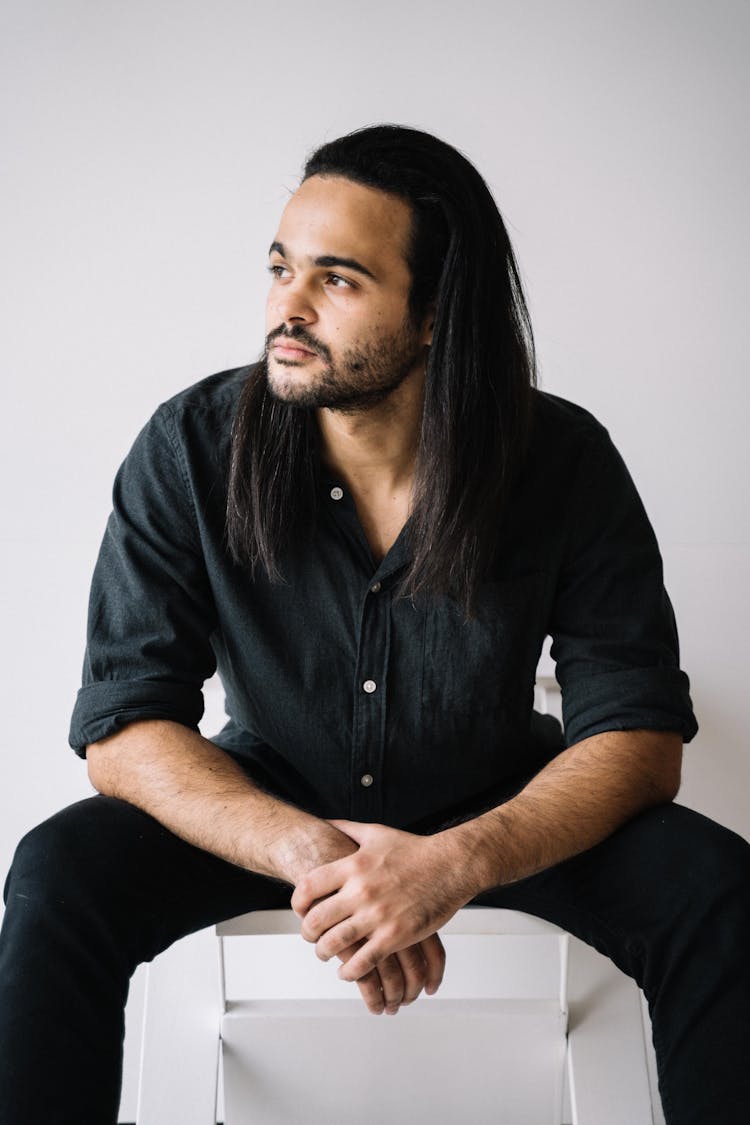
(487, 662)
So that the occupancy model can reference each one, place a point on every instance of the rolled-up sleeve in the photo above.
(151, 613)
(613, 628)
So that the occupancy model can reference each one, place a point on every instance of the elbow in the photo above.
(671, 789)
(665, 794)
(115, 762)
(99, 762)
(668, 777)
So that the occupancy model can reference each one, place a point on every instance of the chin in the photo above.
(288, 387)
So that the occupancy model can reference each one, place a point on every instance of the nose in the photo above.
(291, 303)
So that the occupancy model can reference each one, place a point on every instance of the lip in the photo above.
(291, 350)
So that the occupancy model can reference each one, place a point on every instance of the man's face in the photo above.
(339, 334)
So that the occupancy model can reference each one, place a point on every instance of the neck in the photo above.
(374, 452)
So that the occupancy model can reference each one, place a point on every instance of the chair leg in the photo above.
(607, 1069)
(180, 1048)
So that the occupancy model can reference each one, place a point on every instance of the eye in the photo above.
(277, 271)
(339, 282)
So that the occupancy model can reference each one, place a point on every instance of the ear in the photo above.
(428, 325)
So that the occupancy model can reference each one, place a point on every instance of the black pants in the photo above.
(101, 886)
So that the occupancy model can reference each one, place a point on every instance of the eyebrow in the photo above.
(329, 261)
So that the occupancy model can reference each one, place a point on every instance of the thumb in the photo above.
(354, 829)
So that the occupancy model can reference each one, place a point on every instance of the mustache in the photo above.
(302, 336)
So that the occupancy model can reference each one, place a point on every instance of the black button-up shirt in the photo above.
(342, 697)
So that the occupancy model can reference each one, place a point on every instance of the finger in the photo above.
(323, 916)
(356, 830)
(414, 971)
(433, 951)
(326, 914)
(390, 976)
(339, 937)
(394, 984)
(371, 990)
(370, 987)
(318, 883)
(369, 956)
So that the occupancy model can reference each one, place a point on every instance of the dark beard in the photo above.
(362, 379)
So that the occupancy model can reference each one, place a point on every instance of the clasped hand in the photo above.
(379, 910)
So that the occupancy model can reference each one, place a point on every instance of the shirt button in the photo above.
(375, 588)
(366, 780)
(369, 686)
(337, 493)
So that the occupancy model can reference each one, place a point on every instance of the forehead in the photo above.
(330, 215)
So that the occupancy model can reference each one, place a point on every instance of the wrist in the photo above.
(308, 844)
(473, 857)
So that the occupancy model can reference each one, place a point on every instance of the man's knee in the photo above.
(665, 874)
(693, 876)
(79, 880)
(77, 852)
(693, 852)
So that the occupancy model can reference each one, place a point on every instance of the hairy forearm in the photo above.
(200, 793)
(574, 803)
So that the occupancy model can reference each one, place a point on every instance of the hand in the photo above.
(392, 894)
(400, 978)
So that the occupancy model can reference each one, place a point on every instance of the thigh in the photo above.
(109, 864)
(663, 876)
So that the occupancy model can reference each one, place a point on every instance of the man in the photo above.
(370, 533)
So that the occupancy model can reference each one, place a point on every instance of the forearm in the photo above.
(198, 792)
(574, 803)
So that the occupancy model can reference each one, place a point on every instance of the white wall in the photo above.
(148, 149)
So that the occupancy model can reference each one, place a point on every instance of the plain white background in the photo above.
(147, 151)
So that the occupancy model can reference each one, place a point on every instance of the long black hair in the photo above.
(479, 382)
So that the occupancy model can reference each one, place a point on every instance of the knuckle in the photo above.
(413, 958)
(348, 934)
(390, 970)
(394, 989)
(365, 894)
(389, 934)
(371, 961)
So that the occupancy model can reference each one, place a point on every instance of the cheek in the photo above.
(272, 319)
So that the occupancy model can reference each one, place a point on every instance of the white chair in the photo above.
(576, 1055)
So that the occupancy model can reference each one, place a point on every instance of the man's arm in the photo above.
(399, 886)
(200, 794)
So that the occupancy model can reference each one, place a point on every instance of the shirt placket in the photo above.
(370, 703)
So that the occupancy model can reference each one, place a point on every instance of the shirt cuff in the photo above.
(632, 699)
(106, 707)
